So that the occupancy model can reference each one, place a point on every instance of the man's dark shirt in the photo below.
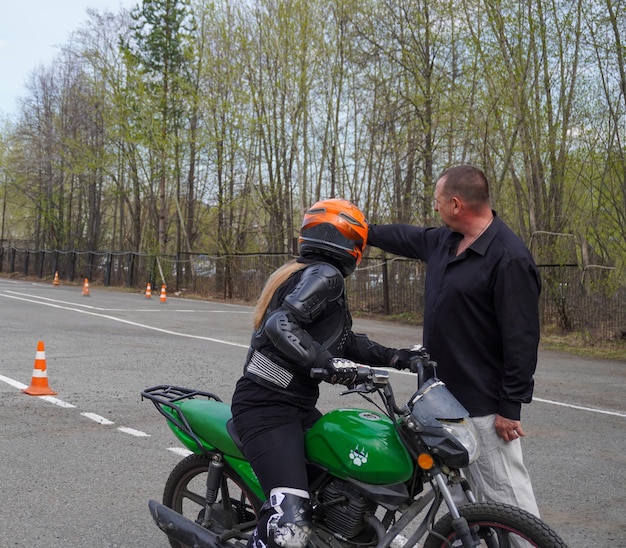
(481, 321)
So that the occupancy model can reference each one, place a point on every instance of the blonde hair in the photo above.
(276, 279)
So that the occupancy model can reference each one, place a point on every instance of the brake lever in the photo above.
(363, 388)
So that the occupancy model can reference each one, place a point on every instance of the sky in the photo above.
(31, 33)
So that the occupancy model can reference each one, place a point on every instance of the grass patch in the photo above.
(582, 345)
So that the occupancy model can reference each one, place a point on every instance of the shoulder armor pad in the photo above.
(320, 284)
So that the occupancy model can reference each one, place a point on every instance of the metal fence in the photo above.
(591, 301)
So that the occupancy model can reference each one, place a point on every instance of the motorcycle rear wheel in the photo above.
(497, 525)
(186, 488)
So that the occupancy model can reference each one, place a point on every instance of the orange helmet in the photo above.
(337, 229)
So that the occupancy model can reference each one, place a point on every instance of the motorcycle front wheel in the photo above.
(185, 492)
(496, 525)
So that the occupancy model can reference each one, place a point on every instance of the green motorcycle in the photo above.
(376, 478)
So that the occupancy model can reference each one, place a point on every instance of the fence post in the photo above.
(42, 255)
(386, 307)
(152, 273)
(130, 270)
(72, 265)
(107, 271)
(90, 258)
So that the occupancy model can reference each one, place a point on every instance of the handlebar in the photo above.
(375, 377)
(424, 368)
(369, 379)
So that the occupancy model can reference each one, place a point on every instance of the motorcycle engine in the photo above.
(345, 508)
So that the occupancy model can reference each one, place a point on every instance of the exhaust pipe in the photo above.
(181, 529)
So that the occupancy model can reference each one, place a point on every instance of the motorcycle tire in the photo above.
(496, 524)
(185, 492)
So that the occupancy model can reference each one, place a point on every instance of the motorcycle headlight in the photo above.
(465, 433)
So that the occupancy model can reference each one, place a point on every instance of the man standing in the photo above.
(481, 321)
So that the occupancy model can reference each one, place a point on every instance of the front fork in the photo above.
(458, 521)
(213, 482)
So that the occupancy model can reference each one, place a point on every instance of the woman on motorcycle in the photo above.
(301, 322)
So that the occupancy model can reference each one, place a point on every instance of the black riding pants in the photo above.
(271, 426)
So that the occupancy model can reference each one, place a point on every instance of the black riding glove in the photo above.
(341, 371)
(402, 358)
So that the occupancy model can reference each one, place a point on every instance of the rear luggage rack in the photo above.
(166, 399)
(166, 394)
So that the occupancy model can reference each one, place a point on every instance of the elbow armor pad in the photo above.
(320, 284)
(289, 339)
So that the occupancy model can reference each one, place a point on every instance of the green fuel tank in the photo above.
(359, 444)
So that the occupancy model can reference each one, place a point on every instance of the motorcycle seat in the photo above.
(230, 428)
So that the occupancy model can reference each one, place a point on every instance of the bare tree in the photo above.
(529, 55)
(158, 49)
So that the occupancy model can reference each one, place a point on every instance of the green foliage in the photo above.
(209, 126)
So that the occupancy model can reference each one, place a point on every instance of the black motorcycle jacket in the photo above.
(306, 324)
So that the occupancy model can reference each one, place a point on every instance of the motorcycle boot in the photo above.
(288, 523)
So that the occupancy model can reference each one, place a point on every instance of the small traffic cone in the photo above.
(148, 291)
(86, 288)
(56, 278)
(163, 294)
(39, 383)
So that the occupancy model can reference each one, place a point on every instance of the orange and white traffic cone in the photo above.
(56, 278)
(39, 383)
(86, 288)
(148, 291)
(163, 294)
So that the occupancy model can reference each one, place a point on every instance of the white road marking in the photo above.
(180, 451)
(57, 401)
(186, 310)
(582, 408)
(12, 382)
(93, 416)
(20, 385)
(97, 418)
(133, 432)
(21, 297)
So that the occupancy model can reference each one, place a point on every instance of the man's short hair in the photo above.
(468, 183)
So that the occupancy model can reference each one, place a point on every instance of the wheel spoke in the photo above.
(503, 539)
(195, 497)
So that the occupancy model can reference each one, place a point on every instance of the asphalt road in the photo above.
(78, 469)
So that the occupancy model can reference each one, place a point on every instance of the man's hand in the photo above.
(508, 429)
